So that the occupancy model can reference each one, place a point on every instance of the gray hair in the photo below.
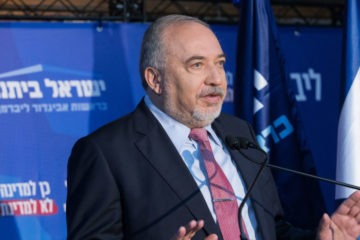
(152, 54)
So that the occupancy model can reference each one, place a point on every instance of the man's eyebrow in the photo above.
(194, 58)
(222, 55)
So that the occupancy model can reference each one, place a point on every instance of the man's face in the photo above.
(194, 83)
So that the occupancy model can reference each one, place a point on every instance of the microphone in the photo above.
(239, 143)
(242, 143)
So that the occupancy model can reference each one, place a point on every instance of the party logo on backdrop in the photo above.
(61, 95)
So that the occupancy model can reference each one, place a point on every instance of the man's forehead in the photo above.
(192, 38)
(186, 27)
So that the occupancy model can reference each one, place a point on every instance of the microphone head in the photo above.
(237, 142)
(232, 142)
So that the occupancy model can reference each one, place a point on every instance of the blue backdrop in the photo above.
(60, 81)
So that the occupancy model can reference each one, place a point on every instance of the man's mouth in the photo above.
(212, 95)
(212, 98)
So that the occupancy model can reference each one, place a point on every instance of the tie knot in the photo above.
(199, 134)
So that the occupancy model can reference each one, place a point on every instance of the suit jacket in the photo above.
(127, 181)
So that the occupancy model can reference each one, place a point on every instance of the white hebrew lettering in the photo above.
(83, 88)
(27, 208)
(61, 107)
(14, 108)
(43, 206)
(44, 188)
(87, 87)
(64, 89)
(24, 189)
(317, 79)
(20, 189)
(53, 85)
(77, 85)
(33, 187)
(80, 107)
(37, 107)
(6, 191)
(19, 205)
(307, 82)
(307, 78)
(36, 92)
(6, 209)
(4, 92)
(92, 88)
(3, 109)
(46, 205)
(24, 86)
(25, 107)
(34, 206)
(301, 94)
(14, 89)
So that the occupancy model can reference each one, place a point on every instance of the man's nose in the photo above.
(215, 75)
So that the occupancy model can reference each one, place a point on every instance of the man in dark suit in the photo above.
(146, 175)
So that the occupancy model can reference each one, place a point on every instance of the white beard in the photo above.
(198, 118)
(205, 118)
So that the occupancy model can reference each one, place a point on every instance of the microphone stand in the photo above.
(304, 174)
(239, 143)
(247, 195)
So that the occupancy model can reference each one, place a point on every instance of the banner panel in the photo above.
(60, 81)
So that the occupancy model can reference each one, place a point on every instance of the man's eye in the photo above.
(221, 63)
(197, 65)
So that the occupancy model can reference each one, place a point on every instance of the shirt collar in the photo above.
(213, 135)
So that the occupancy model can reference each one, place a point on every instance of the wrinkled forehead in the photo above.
(190, 38)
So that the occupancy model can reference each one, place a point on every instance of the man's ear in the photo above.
(153, 79)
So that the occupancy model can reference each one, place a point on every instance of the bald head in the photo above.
(152, 48)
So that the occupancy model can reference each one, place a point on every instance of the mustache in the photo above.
(211, 90)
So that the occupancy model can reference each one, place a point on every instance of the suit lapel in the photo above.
(158, 149)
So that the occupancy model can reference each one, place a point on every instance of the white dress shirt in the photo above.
(191, 154)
